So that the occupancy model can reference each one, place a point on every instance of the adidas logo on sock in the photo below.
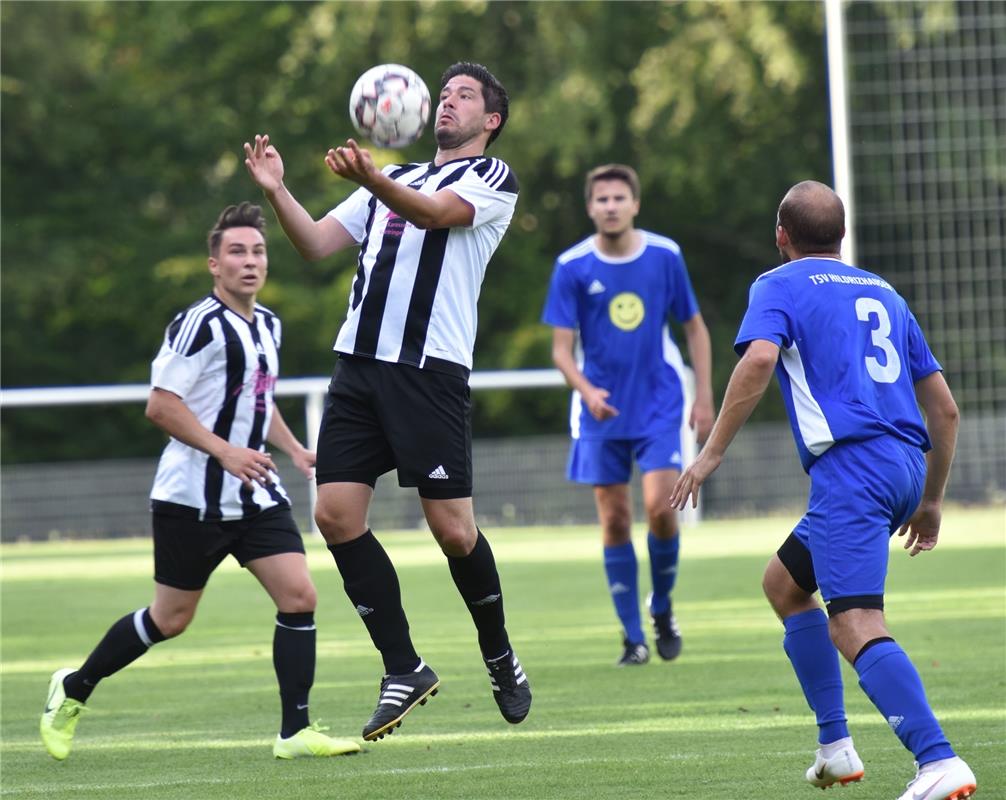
(363, 610)
(439, 473)
(894, 722)
(618, 588)
(596, 287)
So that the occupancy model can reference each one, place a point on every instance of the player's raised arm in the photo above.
(313, 239)
(442, 209)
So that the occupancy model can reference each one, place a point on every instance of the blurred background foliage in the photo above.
(122, 126)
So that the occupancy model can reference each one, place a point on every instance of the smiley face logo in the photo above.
(626, 311)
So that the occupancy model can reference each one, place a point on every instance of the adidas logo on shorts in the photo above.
(439, 473)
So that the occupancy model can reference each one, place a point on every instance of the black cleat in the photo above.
(511, 689)
(668, 635)
(635, 654)
(399, 695)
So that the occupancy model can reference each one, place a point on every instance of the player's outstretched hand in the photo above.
(923, 528)
(352, 162)
(264, 163)
(250, 466)
(691, 479)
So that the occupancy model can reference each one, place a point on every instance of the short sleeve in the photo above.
(491, 188)
(921, 359)
(183, 356)
(683, 304)
(353, 212)
(560, 303)
(767, 317)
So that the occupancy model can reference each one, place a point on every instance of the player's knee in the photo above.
(663, 520)
(303, 600)
(174, 622)
(334, 524)
(455, 540)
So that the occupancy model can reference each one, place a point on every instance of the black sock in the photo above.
(371, 584)
(478, 581)
(126, 641)
(293, 656)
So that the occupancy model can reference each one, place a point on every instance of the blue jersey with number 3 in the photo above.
(851, 353)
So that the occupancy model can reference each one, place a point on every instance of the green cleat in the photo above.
(310, 741)
(59, 717)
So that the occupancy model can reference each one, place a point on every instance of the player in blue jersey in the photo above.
(617, 289)
(854, 367)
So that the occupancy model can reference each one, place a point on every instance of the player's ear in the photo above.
(493, 121)
(781, 237)
(213, 266)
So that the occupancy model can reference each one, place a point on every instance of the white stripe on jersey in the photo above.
(228, 383)
(190, 325)
(817, 436)
(416, 291)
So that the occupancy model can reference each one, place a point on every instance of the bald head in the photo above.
(813, 218)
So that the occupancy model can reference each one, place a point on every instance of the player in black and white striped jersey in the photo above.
(217, 493)
(399, 397)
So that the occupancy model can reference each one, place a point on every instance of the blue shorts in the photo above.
(860, 494)
(602, 462)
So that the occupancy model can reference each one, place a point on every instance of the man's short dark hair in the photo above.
(611, 172)
(493, 94)
(245, 215)
(814, 218)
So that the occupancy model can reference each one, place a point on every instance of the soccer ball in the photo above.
(389, 105)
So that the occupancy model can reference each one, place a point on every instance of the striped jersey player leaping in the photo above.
(399, 396)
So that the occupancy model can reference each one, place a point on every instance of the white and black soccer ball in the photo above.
(390, 105)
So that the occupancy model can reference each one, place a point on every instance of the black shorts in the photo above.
(381, 416)
(187, 550)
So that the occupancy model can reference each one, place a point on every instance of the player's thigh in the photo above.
(286, 579)
(352, 446)
(427, 419)
(860, 492)
(660, 451)
(186, 549)
(600, 462)
(341, 510)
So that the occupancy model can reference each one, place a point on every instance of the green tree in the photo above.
(121, 140)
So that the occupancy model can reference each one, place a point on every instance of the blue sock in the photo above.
(891, 681)
(663, 570)
(815, 662)
(623, 583)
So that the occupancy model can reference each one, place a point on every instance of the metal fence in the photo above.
(517, 482)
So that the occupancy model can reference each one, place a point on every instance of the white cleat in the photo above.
(842, 767)
(948, 779)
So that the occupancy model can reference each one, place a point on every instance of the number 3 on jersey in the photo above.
(889, 371)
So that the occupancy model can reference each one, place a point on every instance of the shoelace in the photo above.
(503, 672)
(317, 726)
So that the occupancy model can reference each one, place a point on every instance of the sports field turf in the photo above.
(195, 717)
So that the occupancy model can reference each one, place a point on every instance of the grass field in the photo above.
(195, 717)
